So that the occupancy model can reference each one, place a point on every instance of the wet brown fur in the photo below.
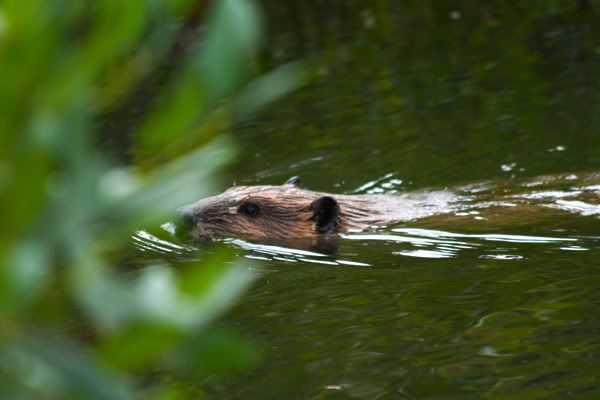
(285, 211)
(288, 211)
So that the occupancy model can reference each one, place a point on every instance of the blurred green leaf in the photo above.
(231, 40)
(24, 274)
(46, 368)
(214, 352)
(154, 296)
(76, 326)
(223, 61)
(270, 87)
(138, 346)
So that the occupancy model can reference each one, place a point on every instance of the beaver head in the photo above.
(263, 212)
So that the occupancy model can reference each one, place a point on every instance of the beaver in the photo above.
(289, 211)
(276, 213)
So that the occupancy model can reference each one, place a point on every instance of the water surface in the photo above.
(486, 304)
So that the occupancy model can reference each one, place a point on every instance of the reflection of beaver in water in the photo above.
(288, 211)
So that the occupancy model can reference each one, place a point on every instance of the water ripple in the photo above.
(436, 244)
(149, 243)
(287, 254)
(576, 206)
(490, 237)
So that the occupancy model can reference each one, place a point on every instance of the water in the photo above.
(495, 301)
(410, 312)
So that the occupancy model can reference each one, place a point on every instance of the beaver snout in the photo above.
(186, 220)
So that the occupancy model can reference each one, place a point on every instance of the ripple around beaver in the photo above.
(473, 221)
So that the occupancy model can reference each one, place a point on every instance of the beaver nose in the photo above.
(186, 219)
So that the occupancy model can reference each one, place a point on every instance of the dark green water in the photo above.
(411, 97)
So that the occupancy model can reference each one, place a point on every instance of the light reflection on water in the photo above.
(429, 243)
(148, 243)
(489, 237)
(408, 242)
(491, 308)
(287, 254)
(388, 183)
(577, 206)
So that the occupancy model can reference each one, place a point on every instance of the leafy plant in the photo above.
(71, 326)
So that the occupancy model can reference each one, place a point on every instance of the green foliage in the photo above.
(72, 326)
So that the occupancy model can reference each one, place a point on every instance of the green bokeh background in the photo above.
(112, 114)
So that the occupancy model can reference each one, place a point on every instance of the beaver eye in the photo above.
(249, 209)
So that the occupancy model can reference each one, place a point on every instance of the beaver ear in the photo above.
(326, 213)
(294, 181)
